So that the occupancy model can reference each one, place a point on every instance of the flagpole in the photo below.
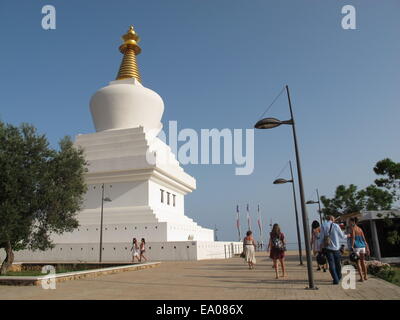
(248, 217)
(259, 222)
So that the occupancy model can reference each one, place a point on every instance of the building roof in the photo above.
(371, 215)
(375, 215)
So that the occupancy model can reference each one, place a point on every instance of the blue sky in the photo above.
(218, 64)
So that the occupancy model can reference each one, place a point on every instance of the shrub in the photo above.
(386, 274)
(381, 270)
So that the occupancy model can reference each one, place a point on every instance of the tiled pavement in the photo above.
(209, 279)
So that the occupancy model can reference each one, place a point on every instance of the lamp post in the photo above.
(269, 123)
(319, 206)
(101, 220)
(281, 181)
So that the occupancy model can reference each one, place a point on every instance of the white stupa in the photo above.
(127, 164)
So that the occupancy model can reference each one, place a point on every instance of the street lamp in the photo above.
(269, 123)
(281, 181)
(319, 205)
(101, 219)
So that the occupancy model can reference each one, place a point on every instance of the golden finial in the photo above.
(129, 49)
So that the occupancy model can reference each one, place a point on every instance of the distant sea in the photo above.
(294, 246)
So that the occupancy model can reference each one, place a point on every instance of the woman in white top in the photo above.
(249, 247)
(135, 250)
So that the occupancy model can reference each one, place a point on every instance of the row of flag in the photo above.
(259, 221)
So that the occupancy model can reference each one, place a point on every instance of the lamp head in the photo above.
(268, 123)
(282, 181)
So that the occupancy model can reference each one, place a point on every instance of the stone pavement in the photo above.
(208, 279)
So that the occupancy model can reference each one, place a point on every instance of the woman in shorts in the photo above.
(142, 250)
(360, 247)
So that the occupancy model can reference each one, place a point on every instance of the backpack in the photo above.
(327, 238)
(277, 243)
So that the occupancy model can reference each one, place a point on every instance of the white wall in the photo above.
(114, 233)
(179, 232)
(120, 252)
(218, 249)
(122, 194)
(155, 199)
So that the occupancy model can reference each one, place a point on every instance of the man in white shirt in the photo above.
(333, 255)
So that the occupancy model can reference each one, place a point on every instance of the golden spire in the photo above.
(130, 49)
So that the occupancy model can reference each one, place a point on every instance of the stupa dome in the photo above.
(125, 102)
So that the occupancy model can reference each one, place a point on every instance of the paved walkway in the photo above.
(209, 279)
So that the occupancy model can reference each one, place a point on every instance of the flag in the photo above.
(238, 222)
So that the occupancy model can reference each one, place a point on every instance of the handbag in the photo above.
(327, 238)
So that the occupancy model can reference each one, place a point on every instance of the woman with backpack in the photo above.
(359, 245)
(277, 248)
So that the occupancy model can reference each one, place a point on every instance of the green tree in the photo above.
(349, 199)
(41, 189)
(390, 171)
(375, 198)
(346, 200)
(380, 196)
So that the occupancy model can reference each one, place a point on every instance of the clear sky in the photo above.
(219, 64)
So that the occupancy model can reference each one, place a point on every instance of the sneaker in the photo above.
(324, 270)
(318, 269)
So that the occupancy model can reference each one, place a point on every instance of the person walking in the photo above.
(330, 237)
(360, 246)
(277, 248)
(315, 243)
(349, 232)
(249, 246)
(135, 250)
(142, 249)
